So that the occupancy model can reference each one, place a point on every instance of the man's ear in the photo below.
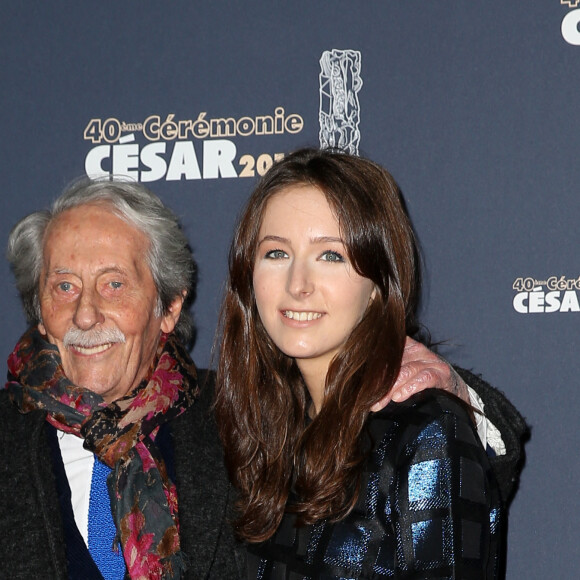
(170, 318)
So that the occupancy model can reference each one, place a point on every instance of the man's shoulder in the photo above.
(200, 413)
(5, 402)
(11, 419)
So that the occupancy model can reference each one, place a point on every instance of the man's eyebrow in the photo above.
(104, 270)
(111, 269)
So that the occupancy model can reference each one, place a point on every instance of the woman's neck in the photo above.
(314, 376)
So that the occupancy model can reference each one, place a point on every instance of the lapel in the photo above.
(203, 488)
(81, 565)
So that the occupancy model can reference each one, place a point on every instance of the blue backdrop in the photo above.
(470, 105)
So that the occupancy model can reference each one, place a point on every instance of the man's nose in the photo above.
(300, 279)
(88, 312)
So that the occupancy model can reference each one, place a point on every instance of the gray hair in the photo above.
(169, 257)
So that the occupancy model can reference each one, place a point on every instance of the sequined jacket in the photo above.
(429, 506)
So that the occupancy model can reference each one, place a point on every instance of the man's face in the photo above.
(98, 298)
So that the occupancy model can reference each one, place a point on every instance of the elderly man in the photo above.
(110, 463)
(103, 379)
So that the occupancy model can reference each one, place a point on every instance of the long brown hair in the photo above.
(261, 397)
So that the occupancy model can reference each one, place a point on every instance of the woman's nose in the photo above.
(300, 279)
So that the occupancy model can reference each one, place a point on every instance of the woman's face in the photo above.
(308, 295)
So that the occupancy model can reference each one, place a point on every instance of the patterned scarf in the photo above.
(122, 435)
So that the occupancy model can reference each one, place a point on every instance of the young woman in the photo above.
(320, 297)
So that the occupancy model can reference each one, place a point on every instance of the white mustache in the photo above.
(90, 338)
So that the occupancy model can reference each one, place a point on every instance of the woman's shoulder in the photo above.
(424, 407)
(432, 420)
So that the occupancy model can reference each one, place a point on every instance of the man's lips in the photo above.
(92, 349)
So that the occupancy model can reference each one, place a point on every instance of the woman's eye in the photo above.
(65, 286)
(276, 254)
(332, 256)
(116, 284)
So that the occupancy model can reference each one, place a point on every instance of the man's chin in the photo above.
(104, 388)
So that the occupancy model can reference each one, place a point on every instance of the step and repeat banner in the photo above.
(472, 106)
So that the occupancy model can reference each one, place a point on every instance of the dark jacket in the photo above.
(514, 432)
(31, 530)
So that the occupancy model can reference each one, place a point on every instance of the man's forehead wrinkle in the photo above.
(62, 256)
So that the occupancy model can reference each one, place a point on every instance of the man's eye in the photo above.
(332, 256)
(276, 254)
